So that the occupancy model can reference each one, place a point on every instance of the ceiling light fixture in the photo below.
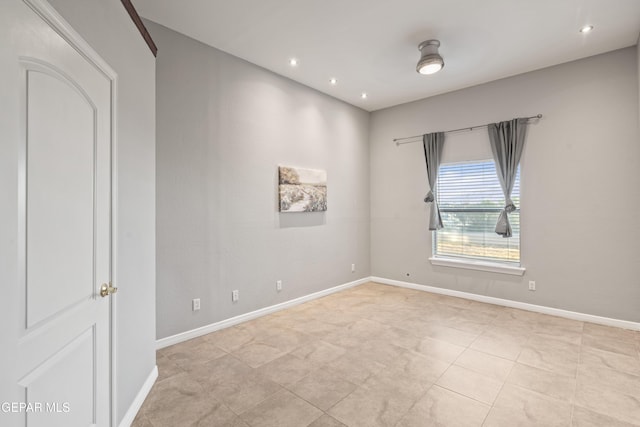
(333, 81)
(293, 62)
(364, 95)
(430, 60)
(586, 29)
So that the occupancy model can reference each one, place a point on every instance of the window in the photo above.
(470, 200)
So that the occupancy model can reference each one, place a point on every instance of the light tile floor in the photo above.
(378, 355)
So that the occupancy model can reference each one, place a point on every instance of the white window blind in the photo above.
(470, 200)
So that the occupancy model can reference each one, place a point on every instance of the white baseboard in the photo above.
(203, 330)
(625, 324)
(128, 418)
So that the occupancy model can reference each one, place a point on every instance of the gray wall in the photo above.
(580, 185)
(224, 125)
(109, 30)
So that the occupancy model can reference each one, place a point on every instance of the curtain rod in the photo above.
(396, 140)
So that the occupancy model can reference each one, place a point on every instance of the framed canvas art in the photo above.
(302, 190)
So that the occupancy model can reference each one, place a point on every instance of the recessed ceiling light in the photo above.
(333, 81)
(364, 95)
(586, 29)
(293, 62)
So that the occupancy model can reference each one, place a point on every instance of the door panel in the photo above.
(60, 194)
(43, 385)
(56, 152)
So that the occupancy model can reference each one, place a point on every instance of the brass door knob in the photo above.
(106, 290)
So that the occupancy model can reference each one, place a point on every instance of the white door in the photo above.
(55, 213)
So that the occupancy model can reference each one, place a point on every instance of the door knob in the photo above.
(106, 290)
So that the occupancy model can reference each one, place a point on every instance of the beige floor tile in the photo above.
(561, 322)
(282, 409)
(548, 383)
(454, 302)
(498, 344)
(418, 366)
(319, 352)
(174, 388)
(352, 367)
(371, 356)
(178, 400)
(141, 421)
(566, 332)
(381, 351)
(315, 328)
(607, 378)
(494, 309)
(593, 357)
(585, 418)
(602, 331)
(344, 340)
(323, 388)
(438, 314)
(234, 383)
(215, 373)
(628, 347)
(193, 352)
(471, 384)
(516, 406)
(167, 368)
(241, 394)
(398, 336)
(520, 319)
(492, 366)
(440, 350)
(441, 407)
(286, 339)
(234, 422)
(381, 401)
(364, 328)
(551, 355)
(219, 416)
(508, 324)
(414, 322)
(447, 334)
(326, 421)
(256, 354)
(608, 402)
(231, 338)
(472, 321)
(336, 317)
(287, 369)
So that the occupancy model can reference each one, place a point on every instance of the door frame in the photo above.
(60, 25)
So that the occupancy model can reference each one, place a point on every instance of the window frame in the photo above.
(475, 263)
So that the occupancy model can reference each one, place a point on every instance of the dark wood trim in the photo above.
(143, 30)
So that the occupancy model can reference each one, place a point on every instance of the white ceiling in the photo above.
(372, 45)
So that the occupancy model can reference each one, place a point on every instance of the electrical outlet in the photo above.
(532, 285)
(278, 285)
(353, 268)
(195, 304)
(235, 295)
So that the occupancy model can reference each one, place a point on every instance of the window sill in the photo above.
(492, 267)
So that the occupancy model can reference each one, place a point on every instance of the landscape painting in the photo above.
(302, 190)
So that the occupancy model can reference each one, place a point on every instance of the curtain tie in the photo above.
(503, 227)
(429, 197)
(509, 206)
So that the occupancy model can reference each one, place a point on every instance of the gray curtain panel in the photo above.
(433, 143)
(507, 143)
